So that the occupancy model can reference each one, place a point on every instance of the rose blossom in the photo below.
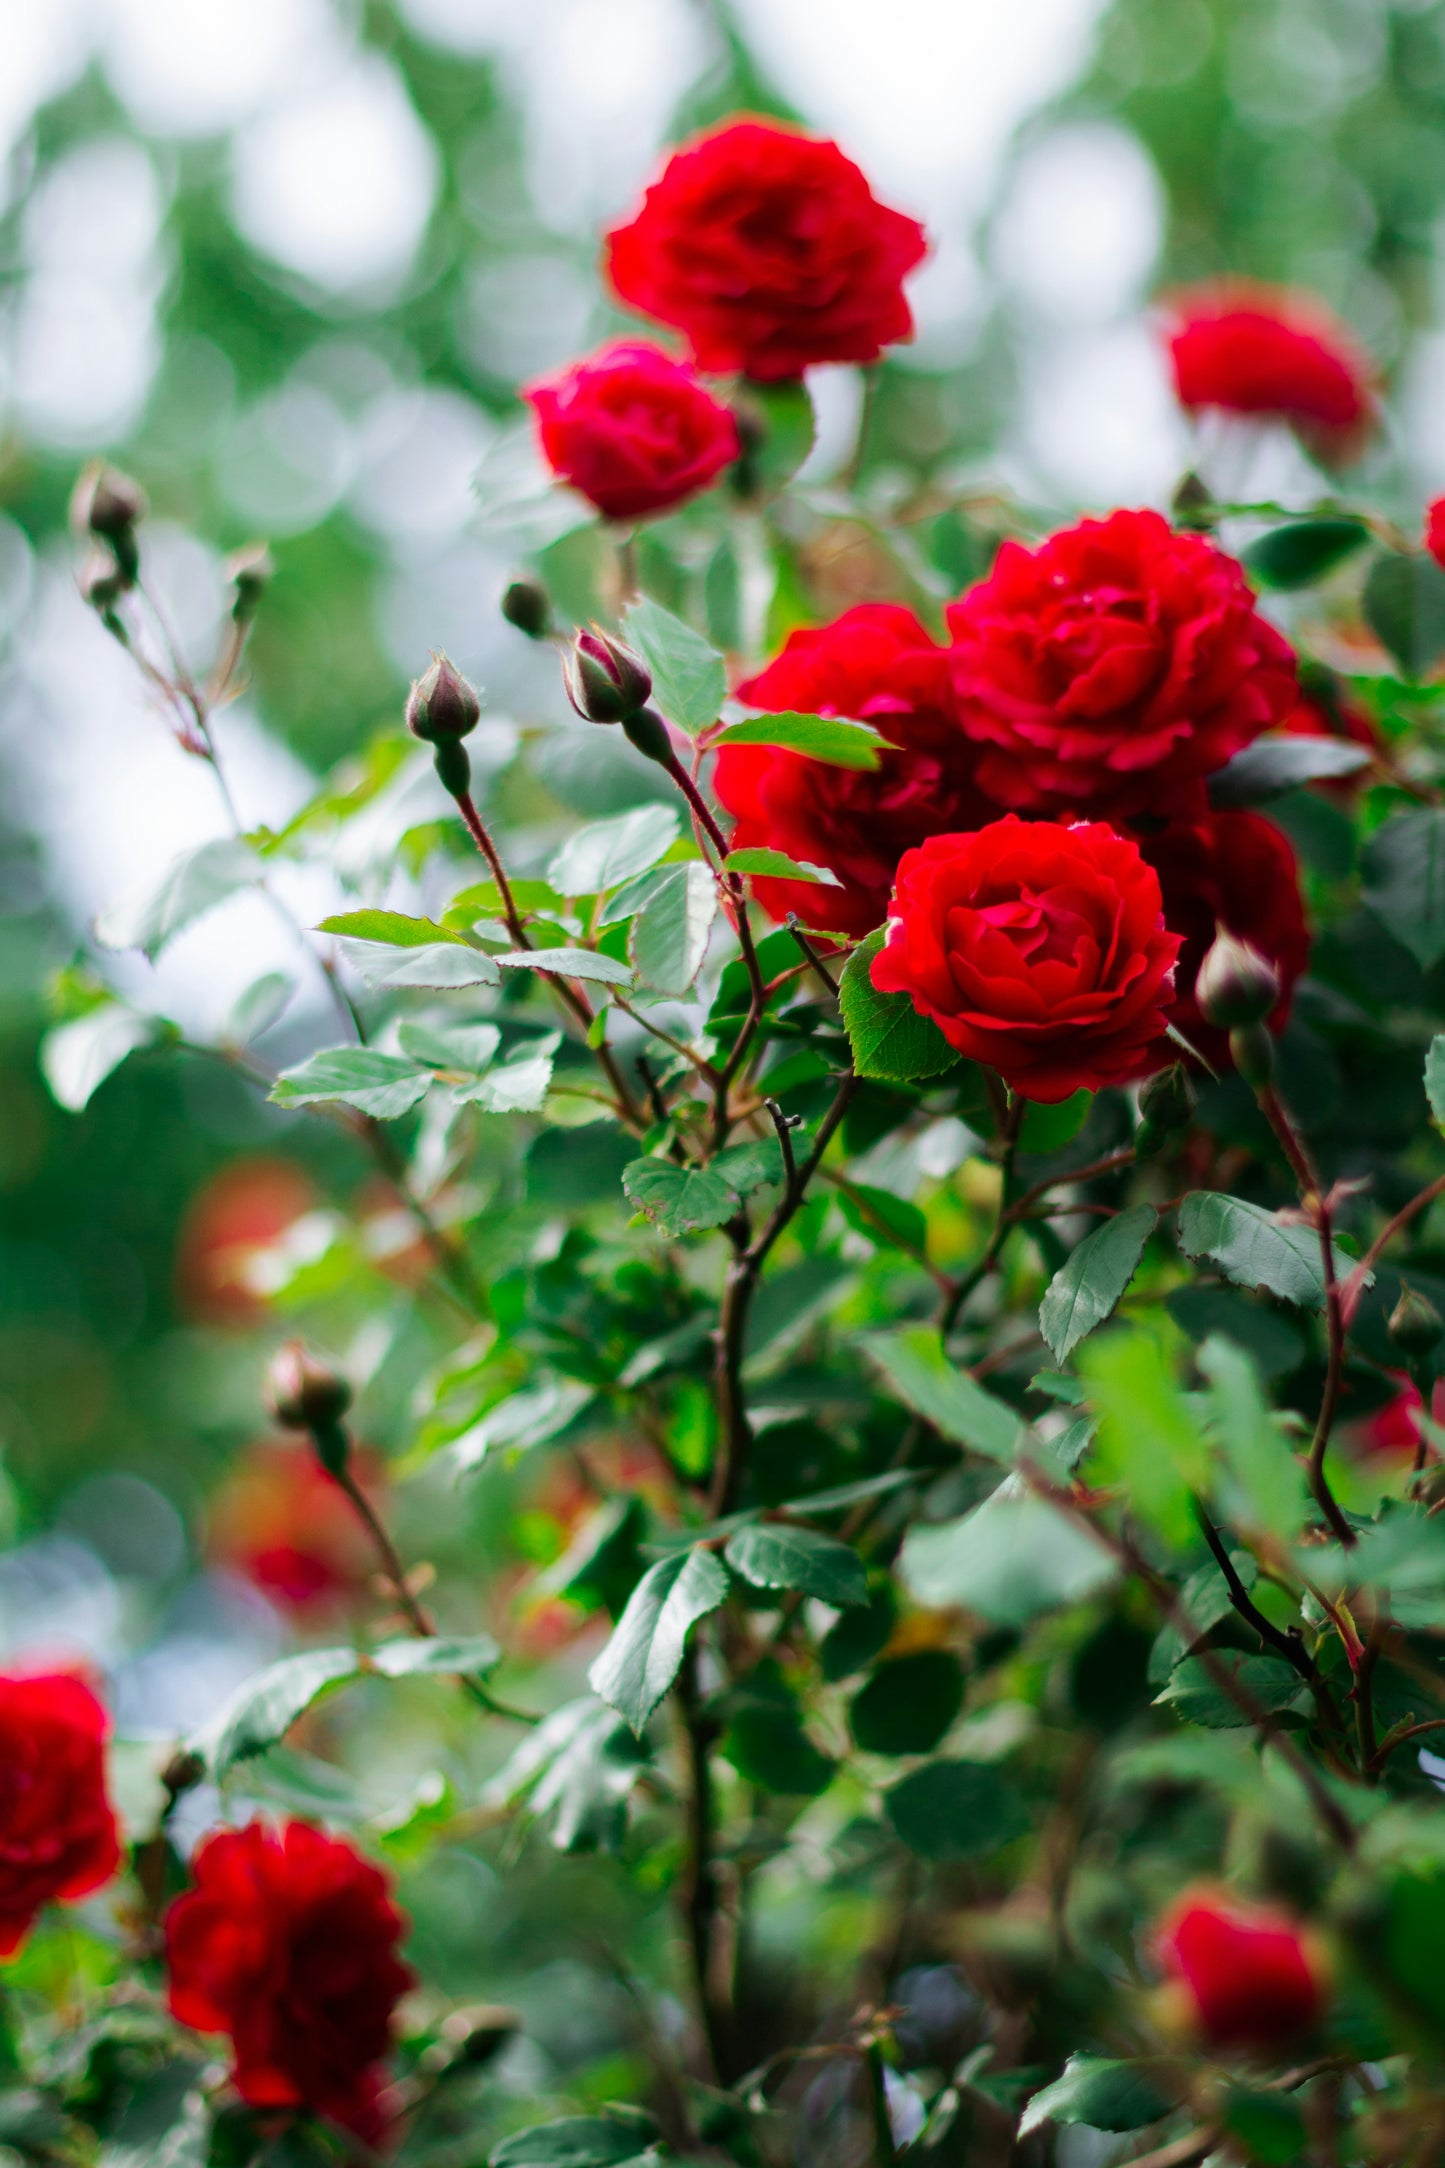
(287, 1943)
(57, 1831)
(1113, 668)
(1238, 871)
(1248, 1973)
(632, 429)
(874, 664)
(769, 251)
(1040, 950)
(1263, 350)
(1435, 530)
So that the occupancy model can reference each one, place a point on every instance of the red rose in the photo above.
(1263, 350)
(1113, 668)
(1248, 1973)
(769, 251)
(875, 664)
(281, 1521)
(633, 429)
(1234, 870)
(1435, 530)
(57, 1831)
(1037, 949)
(287, 1943)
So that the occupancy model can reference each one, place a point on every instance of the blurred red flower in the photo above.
(287, 1943)
(58, 1834)
(285, 1525)
(768, 250)
(245, 1207)
(1249, 1973)
(1265, 350)
(1435, 530)
(632, 429)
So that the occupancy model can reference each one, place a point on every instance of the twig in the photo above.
(1356, 1280)
(782, 1123)
(883, 2149)
(815, 961)
(1282, 1643)
(696, 1888)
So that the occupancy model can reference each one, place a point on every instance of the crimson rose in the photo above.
(1435, 530)
(287, 1943)
(1248, 1975)
(1040, 950)
(57, 1831)
(769, 251)
(874, 664)
(1238, 871)
(1263, 350)
(1113, 668)
(632, 429)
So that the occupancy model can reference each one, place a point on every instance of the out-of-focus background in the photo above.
(287, 261)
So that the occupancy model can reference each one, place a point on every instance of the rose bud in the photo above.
(1236, 986)
(1415, 1325)
(106, 502)
(1244, 1975)
(304, 1394)
(527, 605)
(605, 681)
(441, 706)
(1166, 1107)
(250, 572)
(102, 582)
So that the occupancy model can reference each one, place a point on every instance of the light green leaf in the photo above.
(679, 1200)
(263, 1710)
(1256, 1451)
(1103, 2094)
(770, 1554)
(668, 938)
(258, 1008)
(888, 1036)
(392, 928)
(521, 1420)
(76, 1058)
(1088, 1289)
(831, 739)
(645, 1652)
(518, 1086)
(913, 1361)
(1150, 1441)
(1404, 879)
(470, 1656)
(689, 678)
(383, 1085)
(192, 884)
(580, 1765)
(466, 1049)
(609, 852)
(568, 963)
(437, 965)
(1010, 1559)
(777, 866)
(749, 1166)
(1254, 1248)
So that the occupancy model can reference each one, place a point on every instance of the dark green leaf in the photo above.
(1254, 1248)
(749, 1166)
(785, 437)
(852, 1641)
(771, 1554)
(576, 2141)
(914, 1364)
(1268, 2125)
(1404, 603)
(192, 884)
(767, 1745)
(1434, 1078)
(1048, 1128)
(1089, 1287)
(832, 739)
(607, 853)
(1276, 1344)
(908, 1704)
(383, 1085)
(679, 1200)
(1104, 2095)
(777, 866)
(888, 1036)
(689, 678)
(668, 937)
(1280, 762)
(1302, 552)
(645, 1652)
(1404, 875)
(955, 1810)
(1194, 1695)
(1010, 1559)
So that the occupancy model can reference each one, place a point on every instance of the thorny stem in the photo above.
(1282, 1643)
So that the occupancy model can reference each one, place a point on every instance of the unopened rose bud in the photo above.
(106, 502)
(605, 681)
(1166, 1106)
(250, 572)
(1415, 1325)
(183, 1772)
(102, 583)
(442, 707)
(527, 605)
(303, 1393)
(1236, 986)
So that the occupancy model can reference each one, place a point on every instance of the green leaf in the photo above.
(777, 866)
(1434, 1078)
(882, 1217)
(679, 1200)
(770, 1554)
(767, 1745)
(1049, 1127)
(569, 963)
(460, 1049)
(955, 1810)
(1103, 2094)
(521, 1421)
(908, 1704)
(1254, 1248)
(518, 1086)
(1279, 762)
(393, 928)
(1276, 1343)
(263, 1710)
(689, 678)
(831, 739)
(258, 1008)
(788, 429)
(1404, 604)
(1150, 1441)
(1303, 552)
(577, 2141)
(76, 1058)
(1404, 880)
(581, 1765)
(609, 852)
(1194, 1696)
(645, 1652)
(1010, 1559)
(668, 938)
(192, 884)
(1088, 1289)
(888, 1036)
(438, 965)
(749, 1166)
(1256, 1451)
(383, 1085)
(455, 1655)
(1269, 2126)
(914, 1364)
